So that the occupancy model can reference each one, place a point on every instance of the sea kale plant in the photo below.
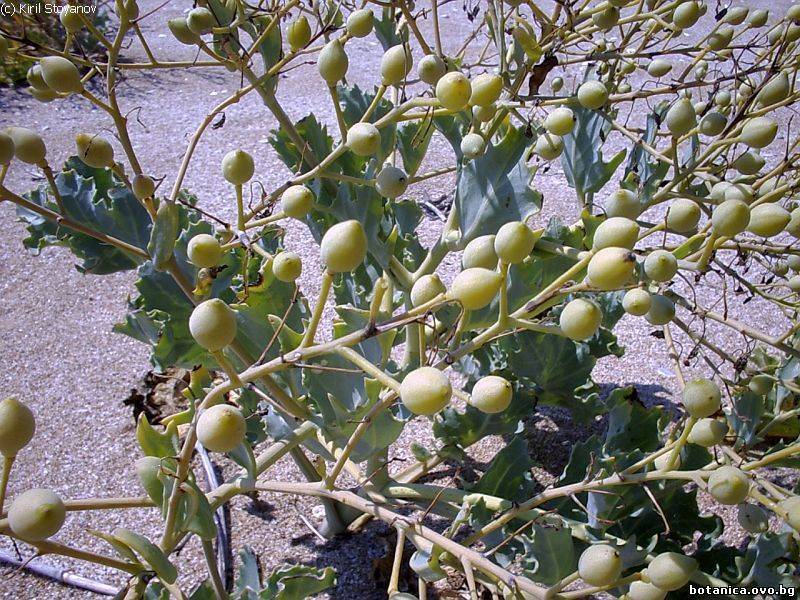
(697, 101)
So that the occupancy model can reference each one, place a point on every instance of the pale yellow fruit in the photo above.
(425, 391)
(204, 251)
(213, 324)
(28, 145)
(642, 590)
(95, 151)
(70, 20)
(363, 139)
(660, 265)
(659, 67)
(730, 218)
(221, 428)
(200, 20)
(592, 94)
(686, 14)
(600, 565)
(35, 79)
(287, 266)
(491, 394)
(473, 145)
(480, 252)
(767, 220)
(453, 91)
(757, 132)
(332, 62)
(580, 319)
(298, 33)
(623, 203)
(486, 89)
(671, 571)
(611, 268)
(636, 302)
(681, 118)
(749, 163)
(616, 231)
(728, 485)
(344, 246)
(549, 146)
(238, 167)
(475, 288)
(296, 201)
(180, 29)
(17, 426)
(739, 191)
(683, 215)
(791, 506)
(793, 226)
(561, 121)
(36, 515)
(777, 89)
(391, 181)
(61, 75)
(701, 398)
(360, 23)
(720, 38)
(431, 69)
(396, 64)
(713, 123)
(514, 242)
(6, 149)
(426, 288)
(708, 432)
(143, 187)
(662, 310)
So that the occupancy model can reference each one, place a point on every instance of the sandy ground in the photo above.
(60, 356)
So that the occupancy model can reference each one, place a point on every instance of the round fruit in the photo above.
(791, 506)
(671, 571)
(60, 74)
(623, 203)
(611, 268)
(70, 20)
(514, 242)
(180, 29)
(721, 38)
(344, 246)
(756, 133)
(213, 324)
(760, 384)
(600, 565)
(453, 91)
(35, 79)
(718, 191)
(426, 288)
(6, 149)
(204, 251)
(143, 187)
(360, 23)
(592, 94)
(758, 18)
(28, 145)
(793, 226)
(396, 64)
(794, 283)
(749, 163)
(491, 394)
(580, 319)
(391, 182)
(713, 123)
(752, 518)
(296, 201)
(431, 69)
(606, 18)
(736, 15)
(686, 14)
(287, 266)
(728, 485)
(738, 191)
(549, 146)
(332, 62)
(681, 118)
(793, 260)
(662, 310)
(780, 268)
(47, 95)
(480, 253)
(683, 215)
(298, 33)
(616, 231)
(238, 167)
(475, 288)
(636, 302)
(221, 428)
(662, 462)
(472, 145)
(660, 265)
(708, 432)
(561, 121)
(483, 114)
(701, 398)
(659, 67)
(363, 139)
(95, 151)
(425, 391)
(200, 20)
(17, 426)
(730, 218)
(641, 590)
(36, 515)
(557, 84)
(776, 90)
(486, 89)
(767, 220)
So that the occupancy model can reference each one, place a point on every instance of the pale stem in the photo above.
(8, 462)
(316, 315)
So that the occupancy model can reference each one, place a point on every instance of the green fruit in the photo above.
(43, 95)
(298, 33)
(61, 75)
(580, 319)
(238, 167)
(780, 268)
(600, 564)
(549, 146)
(491, 394)
(475, 288)
(616, 231)
(756, 133)
(143, 187)
(683, 215)
(213, 324)
(391, 182)
(794, 283)
(730, 218)
(70, 20)
(592, 94)
(296, 201)
(514, 242)
(793, 260)
(723, 98)
(738, 191)
(363, 139)
(721, 38)
(641, 590)
(660, 265)
(662, 463)
(776, 90)
(426, 288)
(28, 145)
(662, 310)
(17, 426)
(36, 515)
(611, 268)
(708, 432)
(623, 203)
(360, 23)
(606, 18)
(204, 251)
(728, 485)
(483, 114)
(791, 506)
(431, 69)
(332, 62)
(758, 18)
(671, 571)
(480, 253)
(94, 151)
(344, 247)
(180, 30)
(200, 20)
(6, 149)
(486, 89)
(221, 428)
(681, 118)
(472, 145)
(636, 302)
(793, 13)
(686, 14)
(287, 266)
(453, 91)
(752, 518)
(396, 64)
(793, 226)
(701, 398)
(35, 79)
(749, 163)
(659, 67)
(557, 84)
(561, 121)
(736, 15)
(767, 220)
(425, 391)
